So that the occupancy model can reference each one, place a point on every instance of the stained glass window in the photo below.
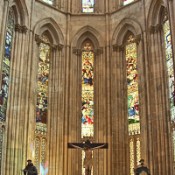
(170, 69)
(6, 66)
(87, 120)
(132, 86)
(51, 2)
(88, 6)
(125, 2)
(42, 104)
(133, 102)
(42, 86)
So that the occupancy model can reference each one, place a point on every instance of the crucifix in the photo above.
(88, 147)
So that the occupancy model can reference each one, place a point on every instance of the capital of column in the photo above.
(118, 48)
(77, 51)
(20, 29)
(58, 46)
(155, 29)
(138, 38)
(38, 39)
(98, 51)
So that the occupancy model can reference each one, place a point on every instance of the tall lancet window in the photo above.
(87, 95)
(6, 62)
(51, 2)
(42, 102)
(88, 6)
(87, 120)
(170, 73)
(125, 2)
(6, 66)
(133, 102)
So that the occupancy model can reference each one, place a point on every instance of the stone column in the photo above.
(56, 112)
(159, 140)
(119, 123)
(15, 120)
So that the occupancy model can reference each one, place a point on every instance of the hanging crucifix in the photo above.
(88, 147)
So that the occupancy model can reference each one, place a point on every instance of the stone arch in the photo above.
(90, 33)
(21, 13)
(157, 9)
(125, 27)
(48, 25)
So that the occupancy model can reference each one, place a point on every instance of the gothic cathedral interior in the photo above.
(87, 71)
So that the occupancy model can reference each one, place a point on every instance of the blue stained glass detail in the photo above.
(6, 66)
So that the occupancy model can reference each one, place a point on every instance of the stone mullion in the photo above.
(159, 105)
(123, 125)
(53, 116)
(59, 60)
(23, 72)
(66, 154)
(114, 102)
(99, 72)
(57, 128)
(18, 83)
(155, 110)
(74, 115)
(50, 113)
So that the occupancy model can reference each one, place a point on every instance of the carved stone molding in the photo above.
(77, 51)
(118, 48)
(155, 29)
(24, 29)
(98, 51)
(138, 38)
(59, 47)
(38, 39)
(20, 29)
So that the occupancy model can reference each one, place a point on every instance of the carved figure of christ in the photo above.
(88, 147)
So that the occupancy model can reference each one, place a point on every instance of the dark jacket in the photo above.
(30, 170)
(141, 169)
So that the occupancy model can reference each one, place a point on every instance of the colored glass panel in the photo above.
(6, 66)
(125, 2)
(88, 6)
(49, 1)
(132, 84)
(42, 86)
(87, 119)
(170, 69)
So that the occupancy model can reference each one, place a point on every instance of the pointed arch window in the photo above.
(51, 2)
(87, 6)
(125, 2)
(6, 65)
(87, 120)
(170, 72)
(133, 101)
(6, 62)
(42, 101)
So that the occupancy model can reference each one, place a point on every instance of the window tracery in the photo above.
(6, 65)
(87, 126)
(133, 102)
(42, 102)
(125, 2)
(88, 6)
(51, 2)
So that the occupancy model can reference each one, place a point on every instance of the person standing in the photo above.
(30, 169)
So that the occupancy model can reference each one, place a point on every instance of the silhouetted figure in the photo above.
(30, 169)
(141, 169)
